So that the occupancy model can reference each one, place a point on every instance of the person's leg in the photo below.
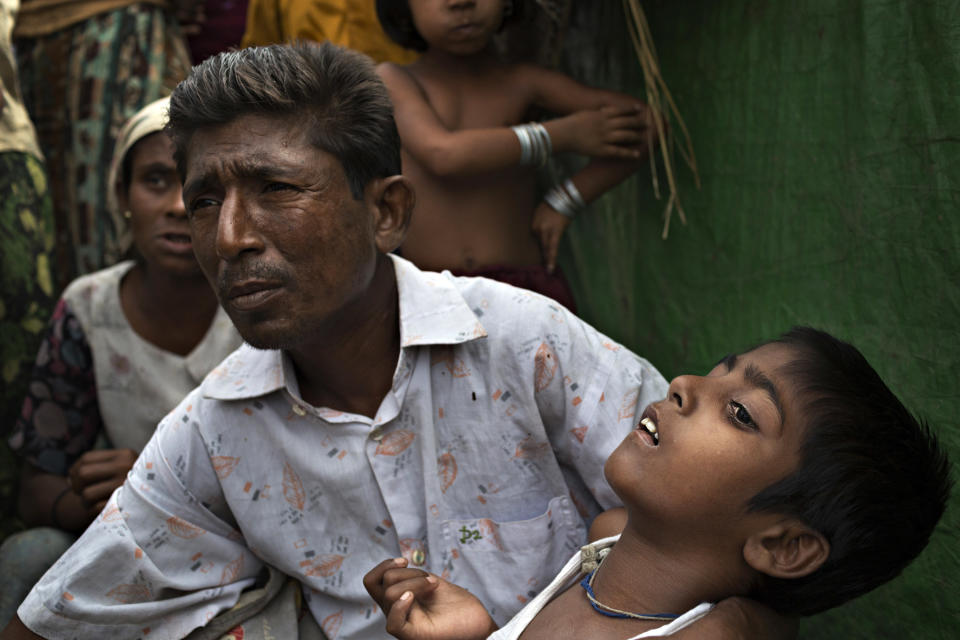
(24, 558)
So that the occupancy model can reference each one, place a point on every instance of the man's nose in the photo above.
(682, 393)
(236, 230)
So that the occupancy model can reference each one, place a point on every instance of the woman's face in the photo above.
(158, 220)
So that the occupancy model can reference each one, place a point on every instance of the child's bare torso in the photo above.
(468, 222)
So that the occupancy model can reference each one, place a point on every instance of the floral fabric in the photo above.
(60, 418)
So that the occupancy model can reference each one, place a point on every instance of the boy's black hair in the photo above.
(872, 479)
(397, 21)
(344, 104)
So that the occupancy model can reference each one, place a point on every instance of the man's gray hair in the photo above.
(345, 105)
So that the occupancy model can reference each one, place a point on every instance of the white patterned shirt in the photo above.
(483, 464)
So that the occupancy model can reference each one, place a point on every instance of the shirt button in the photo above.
(376, 434)
(418, 557)
(297, 409)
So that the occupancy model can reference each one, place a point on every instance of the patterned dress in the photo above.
(27, 292)
(81, 84)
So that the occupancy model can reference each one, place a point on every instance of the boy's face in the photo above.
(722, 439)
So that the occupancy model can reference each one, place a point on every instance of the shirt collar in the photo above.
(432, 311)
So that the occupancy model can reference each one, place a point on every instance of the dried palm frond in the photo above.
(662, 105)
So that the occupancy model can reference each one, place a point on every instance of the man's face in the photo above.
(277, 232)
(721, 439)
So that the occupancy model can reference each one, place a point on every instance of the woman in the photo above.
(125, 344)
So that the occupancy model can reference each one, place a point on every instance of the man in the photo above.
(378, 410)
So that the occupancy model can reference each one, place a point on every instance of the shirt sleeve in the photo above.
(590, 392)
(164, 556)
(60, 417)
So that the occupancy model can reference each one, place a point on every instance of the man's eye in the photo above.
(278, 186)
(202, 203)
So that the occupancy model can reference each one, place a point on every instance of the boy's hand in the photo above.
(610, 131)
(422, 606)
(548, 227)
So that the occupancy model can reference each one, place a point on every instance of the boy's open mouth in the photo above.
(646, 424)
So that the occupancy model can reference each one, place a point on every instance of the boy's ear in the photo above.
(392, 200)
(787, 549)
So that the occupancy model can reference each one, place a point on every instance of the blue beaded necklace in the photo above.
(599, 607)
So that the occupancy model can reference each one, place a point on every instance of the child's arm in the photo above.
(560, 94)
(422, 606)
(592, 181)
(612, 131)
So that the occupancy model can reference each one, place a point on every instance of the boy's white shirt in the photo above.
(568, 576)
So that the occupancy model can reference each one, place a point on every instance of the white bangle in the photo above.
(546, 144)
(561, 202)
(523, 137)
(575, 194)
(536, 147)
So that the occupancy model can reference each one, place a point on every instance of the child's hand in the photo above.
(610, 131)
(548, 227)
(422, 606)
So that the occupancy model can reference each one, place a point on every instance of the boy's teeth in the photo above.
(648, 424)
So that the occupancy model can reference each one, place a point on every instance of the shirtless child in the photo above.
(476, 211)
(789, 474)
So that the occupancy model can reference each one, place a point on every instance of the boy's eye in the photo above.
(741, 416)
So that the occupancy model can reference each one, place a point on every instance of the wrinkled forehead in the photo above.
(252, 135)
(256, 147)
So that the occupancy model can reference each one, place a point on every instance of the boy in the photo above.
(473, 170)
(789, 474)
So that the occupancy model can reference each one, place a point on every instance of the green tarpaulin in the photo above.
(828, 138)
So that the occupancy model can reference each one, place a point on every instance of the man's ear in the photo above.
(787, 549)
(392, 199)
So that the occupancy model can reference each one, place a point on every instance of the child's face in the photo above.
(460, 27)
(722, 439)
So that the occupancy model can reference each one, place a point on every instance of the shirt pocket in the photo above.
(507, 563)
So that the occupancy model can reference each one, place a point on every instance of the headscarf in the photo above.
(150, 119)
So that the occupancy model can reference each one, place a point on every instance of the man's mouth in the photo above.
(647, 425)
(251, 294)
